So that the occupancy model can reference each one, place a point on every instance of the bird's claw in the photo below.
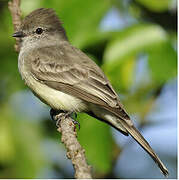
(57, 115)
(76, 123)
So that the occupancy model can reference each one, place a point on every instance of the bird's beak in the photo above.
(19, 34)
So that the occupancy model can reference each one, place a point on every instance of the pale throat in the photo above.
(32, 42)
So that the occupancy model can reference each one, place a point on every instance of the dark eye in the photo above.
(39, 31)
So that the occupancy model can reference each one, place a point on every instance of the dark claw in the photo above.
(57, 122)
(73, 116)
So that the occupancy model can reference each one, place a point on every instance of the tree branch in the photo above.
(74, 150)
(14, 8)
(66, 127)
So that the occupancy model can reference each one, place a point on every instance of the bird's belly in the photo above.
(54, 98)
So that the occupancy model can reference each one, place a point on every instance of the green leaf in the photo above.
(95, 137)
(127, 72)
(163, 62)
(121, 76)
(132, 40)
(156, 5)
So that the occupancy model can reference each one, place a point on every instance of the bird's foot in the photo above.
(56, 116)
(75, 122)
(73, 116)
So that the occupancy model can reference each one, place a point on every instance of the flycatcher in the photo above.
(64, 78)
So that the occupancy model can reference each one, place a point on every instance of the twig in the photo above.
(14, 8)
(66, 127)
(74, 150)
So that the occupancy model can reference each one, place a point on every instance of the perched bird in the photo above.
(64, 78)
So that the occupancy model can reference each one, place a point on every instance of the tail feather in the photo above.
(145, 145)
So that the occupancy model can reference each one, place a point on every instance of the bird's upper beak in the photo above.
(19, 34)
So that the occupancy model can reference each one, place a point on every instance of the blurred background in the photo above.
(135, 43)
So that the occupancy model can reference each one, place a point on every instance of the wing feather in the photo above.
(82, 79)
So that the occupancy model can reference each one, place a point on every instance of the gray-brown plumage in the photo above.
(66, 79)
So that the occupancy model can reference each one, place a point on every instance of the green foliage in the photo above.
(132, 40)
(121, 53)
(158, 6)
(91, 133)
(163, 55)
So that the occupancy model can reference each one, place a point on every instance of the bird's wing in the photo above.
(72, 72)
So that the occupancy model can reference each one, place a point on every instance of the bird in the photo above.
(65, 78)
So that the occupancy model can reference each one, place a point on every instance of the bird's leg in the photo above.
(74, 119)
(57, 114)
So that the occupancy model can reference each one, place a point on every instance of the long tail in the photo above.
(145, 145)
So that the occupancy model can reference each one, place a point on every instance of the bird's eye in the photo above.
(39, 31)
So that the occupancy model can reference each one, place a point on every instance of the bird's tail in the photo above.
(145, 145)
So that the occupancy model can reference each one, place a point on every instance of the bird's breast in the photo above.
(52, 97)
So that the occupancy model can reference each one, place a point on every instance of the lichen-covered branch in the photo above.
(74, 150)
(14, 8)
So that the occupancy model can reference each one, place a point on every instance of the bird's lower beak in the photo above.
(19, 34)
